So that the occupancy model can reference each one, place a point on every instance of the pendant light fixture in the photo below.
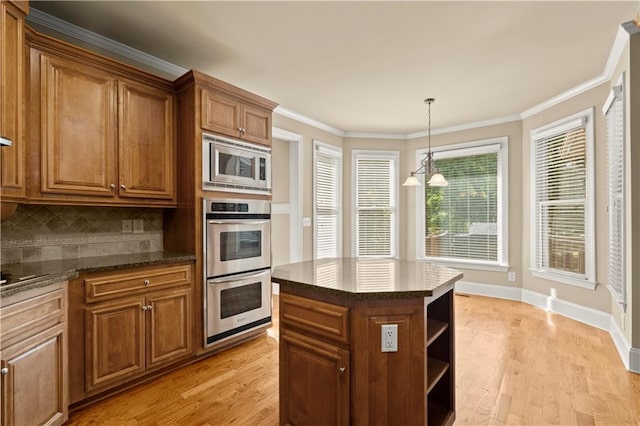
(426, 165)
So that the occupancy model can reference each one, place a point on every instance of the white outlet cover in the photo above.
(389, 337)
(138, 226)
(127, 226)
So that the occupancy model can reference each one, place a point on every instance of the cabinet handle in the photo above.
(5, 141)
(4, 371)
(342, 370)
(113, 186)
(149, 307)
(146, 282)
(123, 187)
(145, 308)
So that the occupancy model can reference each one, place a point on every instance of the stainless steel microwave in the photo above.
(234, 166)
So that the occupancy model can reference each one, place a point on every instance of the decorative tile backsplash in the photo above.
(37, 233)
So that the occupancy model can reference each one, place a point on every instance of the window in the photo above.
(327, 200)
(375, 198)
(562, 175)
(614, 115)
(466, 222)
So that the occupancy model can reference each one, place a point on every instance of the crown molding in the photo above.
(307, 120)
(51, 22)
(626, 29)
(621, 40)
(564, 96)
(371, 135)
(466, 126)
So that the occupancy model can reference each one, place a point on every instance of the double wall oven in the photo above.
(237, 262)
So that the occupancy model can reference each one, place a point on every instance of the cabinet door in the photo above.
(12, 182)
(147, 142)
(256, 123)
(169, 334)
(221, 114)
(78, 129)
(314, 381)
(34, 385)
(115, 336)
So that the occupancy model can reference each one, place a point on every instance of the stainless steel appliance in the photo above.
(234, 166)
(237, 261)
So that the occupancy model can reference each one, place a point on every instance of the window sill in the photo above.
(577, 282)
(462, 264)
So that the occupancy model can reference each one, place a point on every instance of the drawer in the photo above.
(113, 286)
(27, 318)
(315, 317)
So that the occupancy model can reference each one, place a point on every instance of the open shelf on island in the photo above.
(435, 371)
(434, 329)
(439, 415)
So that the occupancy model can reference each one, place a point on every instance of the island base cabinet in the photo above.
(315, 375)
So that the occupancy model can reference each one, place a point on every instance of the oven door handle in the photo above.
(237, 222)
(236, 277)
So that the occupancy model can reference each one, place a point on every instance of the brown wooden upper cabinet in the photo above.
(12, 84)
(106, 131)
(233, 117)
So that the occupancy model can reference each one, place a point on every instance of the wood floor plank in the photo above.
(516, 365)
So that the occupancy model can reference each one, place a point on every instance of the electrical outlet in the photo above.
(306, 221)
(138, 226)
(511, 276)
(389, 334)
(127, 226)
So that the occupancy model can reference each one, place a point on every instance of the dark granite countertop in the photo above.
(367, 278)
(53, 271)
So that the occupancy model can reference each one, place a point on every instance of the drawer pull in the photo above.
(147, 282)
(342, 370)
(4, 371)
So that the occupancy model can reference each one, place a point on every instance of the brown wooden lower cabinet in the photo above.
(321, 379)
(131, 324)
(333, 370)
(34, 357)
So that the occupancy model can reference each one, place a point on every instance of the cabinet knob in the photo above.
(342, 370)
(113, 186)
(4, 371)
(145, 308)
(123, 187)
(146, 282)
(149, 307)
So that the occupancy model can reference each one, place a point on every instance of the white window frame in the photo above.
(394, 156)
(336, 152)
(484, 146)
(617, 94)
(586, 119)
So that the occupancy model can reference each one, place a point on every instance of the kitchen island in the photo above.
(366, 341)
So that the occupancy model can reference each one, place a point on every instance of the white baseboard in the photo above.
(497, 291)
(593, 317)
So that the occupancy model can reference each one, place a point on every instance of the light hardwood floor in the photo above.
(516, 365)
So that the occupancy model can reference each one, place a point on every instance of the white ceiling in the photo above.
(367, 66)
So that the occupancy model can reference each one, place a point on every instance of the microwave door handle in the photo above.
(236, 277)
(239, 222)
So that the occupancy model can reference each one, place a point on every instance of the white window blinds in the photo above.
(375, 203)
(563, 199)
(614, 115)
(462, 219)
(327, 201)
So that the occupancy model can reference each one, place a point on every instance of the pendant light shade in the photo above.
(437, 180)
(411, 181)
(426, 167)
